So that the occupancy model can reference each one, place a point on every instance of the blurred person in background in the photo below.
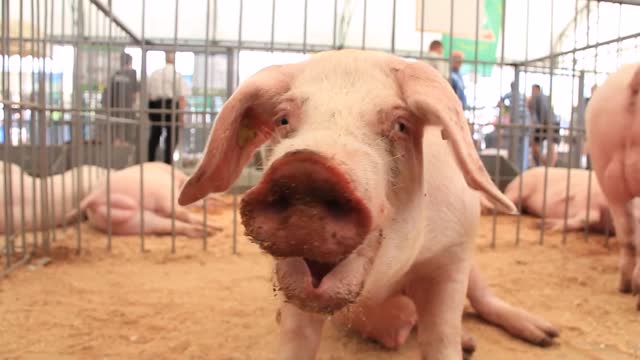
(436, 51)
(120, 97)
(456, 78)
(542, 115)
(162, 97)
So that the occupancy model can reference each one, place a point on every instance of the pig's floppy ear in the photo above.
(430, 97)
(243, 124)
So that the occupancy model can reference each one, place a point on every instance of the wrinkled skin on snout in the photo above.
(364, 206)
(121, 210)
(587, 206)
(613, 139)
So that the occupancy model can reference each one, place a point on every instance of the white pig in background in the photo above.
(125, 216)
(613, 136)
(62, 191)
(532, 195)
(363, 204)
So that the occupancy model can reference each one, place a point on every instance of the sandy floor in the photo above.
(212, 305)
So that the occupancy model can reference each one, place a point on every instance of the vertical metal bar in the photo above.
(568, 187)
(142, 121)
(32, 130)
(6, 124)
(109, 141)
(54, 126)
(44, 158)
(422, 29)
(235, 223)
(273, 23)
(547, 128)
(304, 30)
(364, 25)
(237, 77)
(76, 129)
(514, 102)
(451, 36)
(174, 133)
(526, 128)
(204, 115)
(20, 142)
(393, 28)
(335, 22)
(64, 125)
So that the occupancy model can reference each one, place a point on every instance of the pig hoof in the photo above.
(395, 339)
(625, 286)
(468, 345)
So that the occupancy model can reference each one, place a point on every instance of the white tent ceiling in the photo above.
(528, 31)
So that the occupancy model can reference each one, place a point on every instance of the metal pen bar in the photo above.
(52, 207)
(422, 10)
(568, 187)
(143, 104)
(273, 23)
(514, 95)
(546, 163)
(115, 20)
(109, 134)
(335, 23)
(32, 132)
(393, 28)
(304, 30)
(204, 117)
(364, 24)
(524, 122)
(6, 178)
(173, 134)
(20, 142)
(44, 156)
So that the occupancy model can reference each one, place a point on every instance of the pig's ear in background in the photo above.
(242, 126)
(430, 97)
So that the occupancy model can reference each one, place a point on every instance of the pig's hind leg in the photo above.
(515, 321)
(161, 225)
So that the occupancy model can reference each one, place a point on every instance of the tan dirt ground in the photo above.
(213, 305)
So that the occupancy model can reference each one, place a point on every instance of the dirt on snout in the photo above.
(197, 304)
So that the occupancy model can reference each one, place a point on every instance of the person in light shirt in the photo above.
(161, 96)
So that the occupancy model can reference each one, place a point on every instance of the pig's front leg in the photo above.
(300, 333)
(438, 292)
(635, 281)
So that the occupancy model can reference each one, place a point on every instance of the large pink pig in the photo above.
(62, 193)
(125, 204)
(613, 135)
(532, 194)
(363, 205)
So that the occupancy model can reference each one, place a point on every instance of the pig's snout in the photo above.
(305, 207)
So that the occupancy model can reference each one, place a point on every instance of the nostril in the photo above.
(281, 203)
(336, 207)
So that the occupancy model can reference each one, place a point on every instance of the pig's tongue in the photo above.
(318, 271)
(325, 287)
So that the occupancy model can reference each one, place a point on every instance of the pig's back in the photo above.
(613, 135)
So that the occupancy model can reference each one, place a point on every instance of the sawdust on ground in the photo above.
(196, 304)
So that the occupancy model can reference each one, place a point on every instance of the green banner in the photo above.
(488, 35)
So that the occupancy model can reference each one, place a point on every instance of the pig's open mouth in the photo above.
(318, 270)
(326, 287)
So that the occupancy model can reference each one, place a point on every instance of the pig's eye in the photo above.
(283, 121)
(401, 127)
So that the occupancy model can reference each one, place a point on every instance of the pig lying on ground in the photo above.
(62, 191)
(363, 205)
(125, 203)
(613, 136)
(531, 198)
